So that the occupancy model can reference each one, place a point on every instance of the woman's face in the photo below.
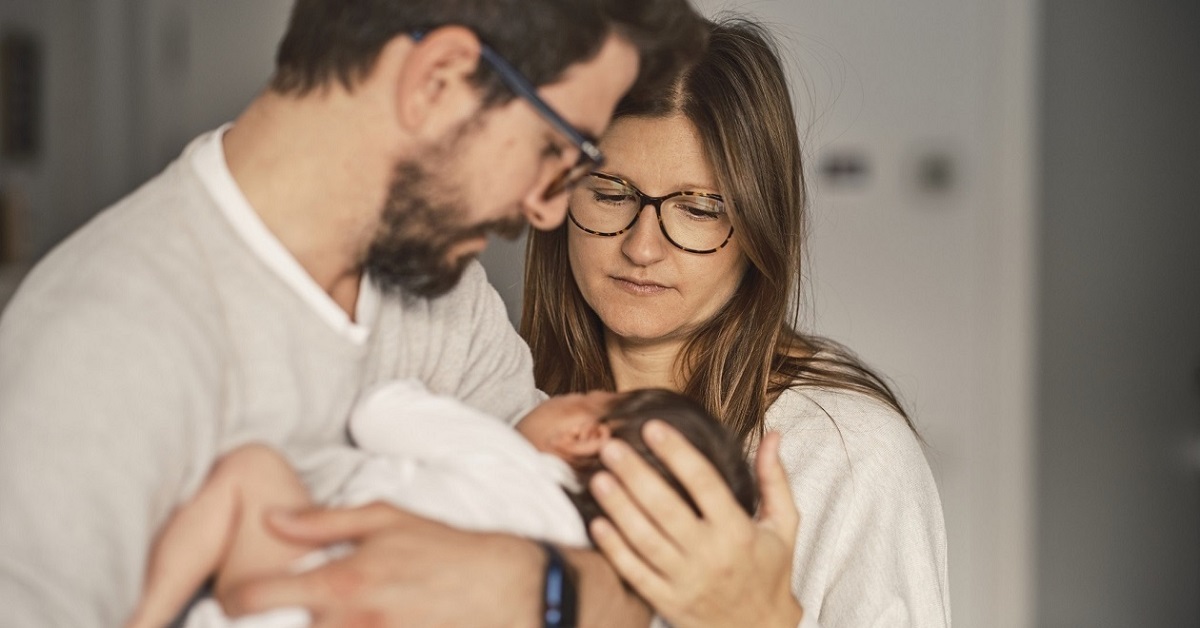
(644, 289)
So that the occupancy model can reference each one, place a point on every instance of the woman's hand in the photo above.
(722, 568)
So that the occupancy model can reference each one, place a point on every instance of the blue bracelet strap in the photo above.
(559, 597)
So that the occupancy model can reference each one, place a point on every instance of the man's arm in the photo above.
(93, 452)
(417, 572)
(604, 598)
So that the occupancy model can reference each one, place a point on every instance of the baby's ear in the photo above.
(586, 439)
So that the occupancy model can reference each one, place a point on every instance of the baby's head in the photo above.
(574, 427)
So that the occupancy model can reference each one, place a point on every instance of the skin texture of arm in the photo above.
(220, 531)
(410, 571)
(719, 569)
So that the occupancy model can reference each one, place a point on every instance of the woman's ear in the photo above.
(433, 92)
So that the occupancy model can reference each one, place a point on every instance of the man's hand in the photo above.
(406, 570)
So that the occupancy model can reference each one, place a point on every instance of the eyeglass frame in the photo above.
(590, 156)
(656, 202)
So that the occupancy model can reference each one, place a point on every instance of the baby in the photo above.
(431, 455)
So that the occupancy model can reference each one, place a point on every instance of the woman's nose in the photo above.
(644, 243)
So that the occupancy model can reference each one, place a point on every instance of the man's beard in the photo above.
(411, 249)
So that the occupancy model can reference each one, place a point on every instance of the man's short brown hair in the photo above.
(340, 40)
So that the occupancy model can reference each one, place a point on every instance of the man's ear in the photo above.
(585, 439)
(433, 92)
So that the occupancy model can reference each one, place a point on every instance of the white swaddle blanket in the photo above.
(441, 459)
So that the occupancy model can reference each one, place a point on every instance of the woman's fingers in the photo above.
(640, 532)
(694, 472)
(778, 509)
(646, 490)
(723, 568)
(644, 579)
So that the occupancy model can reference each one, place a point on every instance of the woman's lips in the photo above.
(634, 286)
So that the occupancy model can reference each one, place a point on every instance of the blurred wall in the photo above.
(1119, 402)
(125, 84)
(197, 65)
(48, 191)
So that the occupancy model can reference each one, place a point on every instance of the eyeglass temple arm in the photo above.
(523, 88)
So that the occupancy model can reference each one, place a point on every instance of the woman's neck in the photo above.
(641, 365)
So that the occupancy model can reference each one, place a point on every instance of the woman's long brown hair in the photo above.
(740, 361)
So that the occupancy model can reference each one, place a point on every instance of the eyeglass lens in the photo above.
(691, 221)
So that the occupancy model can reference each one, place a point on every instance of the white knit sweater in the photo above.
(157, 338)
(871, 550)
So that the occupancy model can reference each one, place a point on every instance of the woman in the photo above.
(676, 269)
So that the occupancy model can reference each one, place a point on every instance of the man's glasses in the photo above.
(607, 206)
(590, 156)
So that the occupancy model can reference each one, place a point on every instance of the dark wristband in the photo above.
(560, 608)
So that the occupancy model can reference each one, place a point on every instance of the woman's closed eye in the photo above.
(612, 198)
(697, 213)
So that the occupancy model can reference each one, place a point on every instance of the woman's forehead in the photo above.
(658, 155)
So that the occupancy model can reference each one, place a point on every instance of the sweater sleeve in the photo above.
(97, 440)
(471, 352)
(871, 550)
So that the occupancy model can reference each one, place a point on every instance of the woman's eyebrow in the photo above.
(686, 186)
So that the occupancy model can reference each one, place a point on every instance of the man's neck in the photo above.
(316, 179)
(644, 365)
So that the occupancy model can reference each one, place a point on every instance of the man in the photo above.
(281, 266)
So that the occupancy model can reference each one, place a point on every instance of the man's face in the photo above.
(490, 177)
(425, 240)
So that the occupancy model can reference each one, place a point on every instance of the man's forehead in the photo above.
(589, 90)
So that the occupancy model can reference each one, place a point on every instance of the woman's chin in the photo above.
(639, 333)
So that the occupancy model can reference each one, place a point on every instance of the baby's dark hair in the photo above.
(626, 419)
